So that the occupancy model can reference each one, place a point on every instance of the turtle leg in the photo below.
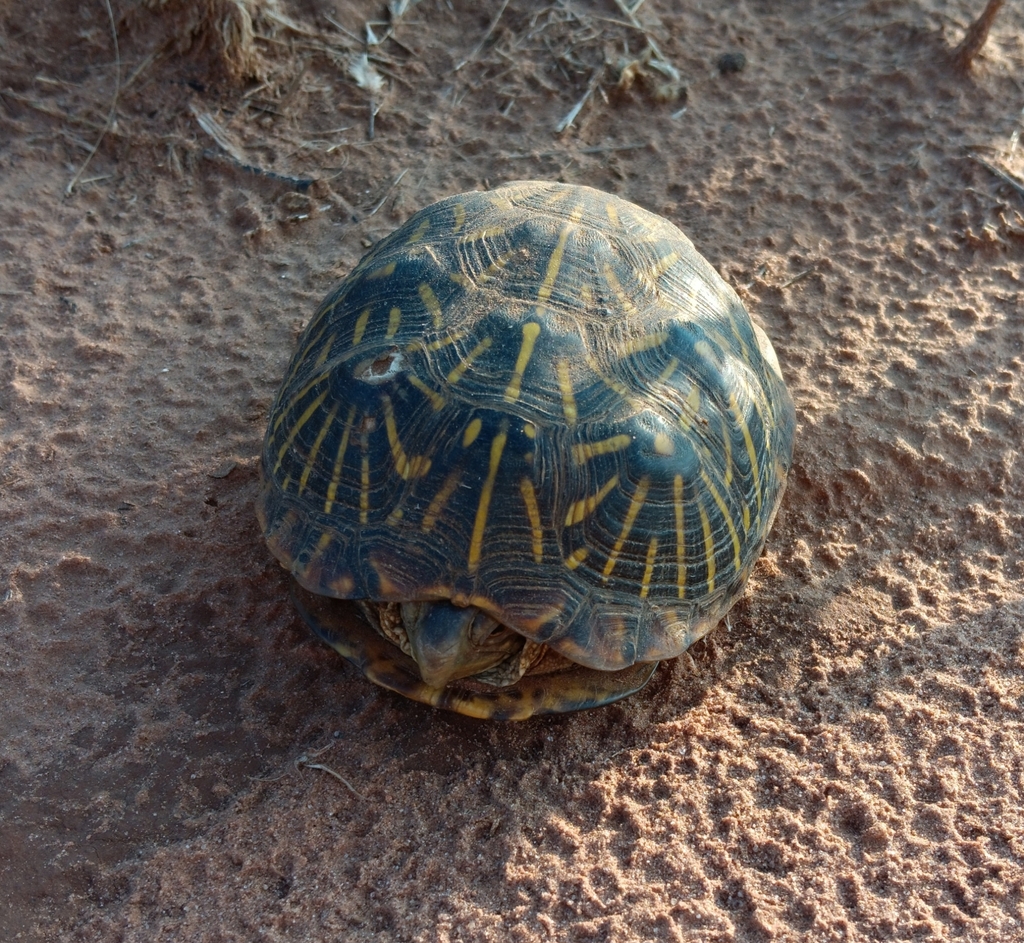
(384, 664)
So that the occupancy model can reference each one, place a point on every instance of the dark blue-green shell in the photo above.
(541, 401)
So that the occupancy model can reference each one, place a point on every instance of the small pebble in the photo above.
(731, 62)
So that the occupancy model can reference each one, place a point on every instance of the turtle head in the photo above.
(450, 642)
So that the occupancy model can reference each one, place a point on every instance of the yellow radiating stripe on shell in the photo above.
(472, 431)
(436, 399)
(760, 401)
(691, 408)
(438, 344)
(482, 277)
(301, 359)
(715, 339)
(332, 488)
(533, 513)
(317, 442)
(652, 552)
(677, 503)
(554, 197)
(709, 546)
(625, 301)
(584, 451)
(488, 232)
(439, 500)
(664, 264)
(670, 368)
(342, 586)
(364, 478)
(477, 541)
(734, 325)
(394, 320)
(458, 216)
(496, 266)
(749, 442)
(554, 264)
(414, 467)
(326, 352)
(531, 331)
(637, 345)
(360, 329)
(459, 370)
(565, 386)
(613, 215)
(663, 444)
(419, 232)
(383, 272)
(727, 442)
(586, 506)
(285, 411)
(726, 516)
(636, 502)
(616, 386)
(431, 303)
(576, 558)
(294, 431)
(384, 582)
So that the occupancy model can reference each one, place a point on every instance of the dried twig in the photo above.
(796, 278)
(629, 8)
(213, 128)
(483, 42)
(1003, 175)
(387, 193)
(112, 116)
(52, 112)
(369, 80)
(975, 37)
(567, 121)
(341, 29)
(76, 140)
(304, 761)
(217, 131)
(596, 149)
(287, 22)
(302, 184)
(141, 67)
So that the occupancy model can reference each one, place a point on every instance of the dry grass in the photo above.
(228, 26)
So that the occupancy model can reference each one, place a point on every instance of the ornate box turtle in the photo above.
(539, 440)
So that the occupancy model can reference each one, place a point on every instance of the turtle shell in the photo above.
(542, 402)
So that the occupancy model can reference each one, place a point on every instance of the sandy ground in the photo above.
(846, 762)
